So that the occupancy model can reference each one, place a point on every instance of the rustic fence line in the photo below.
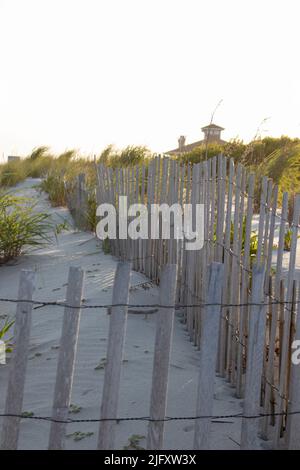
(252, 414)
(232, 198)
(78, 197)
(257, 309)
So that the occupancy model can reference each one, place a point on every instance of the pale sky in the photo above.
(86, 73)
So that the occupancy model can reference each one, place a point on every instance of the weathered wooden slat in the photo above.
(116, 337)
(262, 218)
(221, 187)
(226, 286)
(294, 406)
(213, 205)
(235, 371)
(257, 321)
(208, 355)
(163, 339)
(17, 371)
(245, 287)
(287, 317)
(234, 279)
(191, 259)
(280, 249)
(66, 358)
(269, 370)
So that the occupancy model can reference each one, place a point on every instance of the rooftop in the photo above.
(212, 134)
(212, 126)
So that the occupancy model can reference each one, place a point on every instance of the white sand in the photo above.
(52, 263)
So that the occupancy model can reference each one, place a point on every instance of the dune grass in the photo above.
(41, 163)
(21, 228)
(277, 158)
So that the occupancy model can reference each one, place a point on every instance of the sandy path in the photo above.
(52, 263)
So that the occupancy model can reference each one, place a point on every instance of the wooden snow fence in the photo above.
(116, 339)
(78, 197)
(245, 219)
(237, 286)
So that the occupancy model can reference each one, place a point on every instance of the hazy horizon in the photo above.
(86, 74)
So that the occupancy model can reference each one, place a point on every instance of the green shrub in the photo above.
(20, 227)
(54, 186)
(288, 239)
(39, 167)
(91, 212)
(129, 156)
(39, 152)
(4, 328)
(106, 246)
(201, 153)
(12, 173)
(106, 154)
(253, 239)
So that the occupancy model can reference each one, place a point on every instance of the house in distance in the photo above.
(212, 134)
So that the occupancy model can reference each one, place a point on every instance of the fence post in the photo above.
(79, 203)
(245, 282)
(225, 291)
(293, 422)
(234, 293)
(66, 359)
(163, 339)
(257, 327)
(17, 373)
(208, 354)
(80, 188)
(116, 336)
(287, 319)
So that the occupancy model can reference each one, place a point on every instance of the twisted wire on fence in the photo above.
(148, 418)
(54, 303)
